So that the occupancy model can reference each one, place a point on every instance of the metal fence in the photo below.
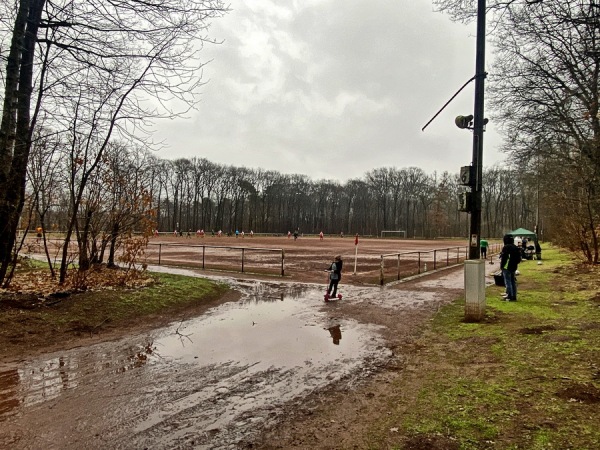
(257, 260)
(219, 257)
(396, 266)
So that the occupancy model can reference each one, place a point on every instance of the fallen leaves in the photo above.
(41, 284)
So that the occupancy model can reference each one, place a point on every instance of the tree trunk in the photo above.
(46, 251)
(84, 259)
(15, 131)
(113, 245)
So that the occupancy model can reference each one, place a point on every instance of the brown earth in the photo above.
(307, 257)
(339, 416)
(305, 260)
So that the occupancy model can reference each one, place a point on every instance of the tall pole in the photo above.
(474, 266)
(480, 74)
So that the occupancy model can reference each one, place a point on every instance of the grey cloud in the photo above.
(333, 89)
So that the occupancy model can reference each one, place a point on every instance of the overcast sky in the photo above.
(332, 89)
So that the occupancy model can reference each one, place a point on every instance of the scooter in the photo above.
(327, 297)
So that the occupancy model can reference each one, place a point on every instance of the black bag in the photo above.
(499, 279)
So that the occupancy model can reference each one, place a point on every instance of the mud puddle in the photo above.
(210, 382)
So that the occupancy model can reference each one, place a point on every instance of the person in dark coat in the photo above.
(509, 262)
(335, 275)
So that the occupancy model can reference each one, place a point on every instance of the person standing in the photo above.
(335, 275)
(524, 243)
(509, 262)
(484, 246)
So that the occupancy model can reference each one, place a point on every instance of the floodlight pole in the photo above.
(478, 111)
(474, 266)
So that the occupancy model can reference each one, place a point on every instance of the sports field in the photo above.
(306, 258)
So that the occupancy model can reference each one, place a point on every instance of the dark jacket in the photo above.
(336, 268)
(510, 256)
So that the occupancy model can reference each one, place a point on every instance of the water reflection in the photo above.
(9, 380)
(39, 381)
(260, 292)
(336, 334)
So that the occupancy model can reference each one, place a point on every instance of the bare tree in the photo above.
(16, 125)
(103, 60)
(380, 183)
(546, 88)
(44, 180)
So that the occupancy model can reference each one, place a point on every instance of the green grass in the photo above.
(170, 292)
(170, 297)
(499, 383)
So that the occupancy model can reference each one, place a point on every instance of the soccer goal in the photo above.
(393, 234)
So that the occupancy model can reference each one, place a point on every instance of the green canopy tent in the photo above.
(522, 232)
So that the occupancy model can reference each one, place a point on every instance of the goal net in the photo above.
(393, 234)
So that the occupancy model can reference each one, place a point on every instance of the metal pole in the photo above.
(474, 267)
(381, 272)
(282, 262)
(159, 251)
(398, 266)
(478, 111)
(203, 255)
(242, 260)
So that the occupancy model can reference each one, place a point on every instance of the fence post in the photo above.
(159, 250)
(381, 272)
(418, 262)
(398, 266)
(447, 256)
(203, 255)
(242, 260)
(282, 262)
(434, 259)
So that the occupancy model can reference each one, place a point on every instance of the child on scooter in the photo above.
(335, 275)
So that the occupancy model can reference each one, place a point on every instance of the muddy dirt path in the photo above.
(234, 377)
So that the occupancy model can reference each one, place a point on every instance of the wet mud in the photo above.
(205, 383)
(218, 380)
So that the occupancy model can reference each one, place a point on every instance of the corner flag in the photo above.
(355, 251)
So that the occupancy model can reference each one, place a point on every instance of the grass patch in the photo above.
(168, 298)
(527, 377)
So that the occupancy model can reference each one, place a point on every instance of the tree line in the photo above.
(189, 194)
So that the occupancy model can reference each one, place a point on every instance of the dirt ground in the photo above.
(302, 260)
(307, 257)
(335, 416)
(339, 416)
